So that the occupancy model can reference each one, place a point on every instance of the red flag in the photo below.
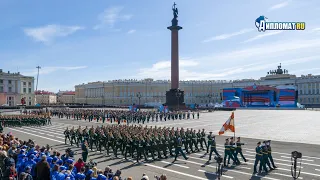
(228, 125)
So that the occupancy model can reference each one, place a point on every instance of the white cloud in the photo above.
(49, 70)
(315, 29)
(278, 6)
(131, 31)
(265, 57)
(110, 16)
(227, 36)
(48, 33)
(262, 36)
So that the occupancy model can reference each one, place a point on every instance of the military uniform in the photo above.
(178, 148)
(212, 145)
(239, 149)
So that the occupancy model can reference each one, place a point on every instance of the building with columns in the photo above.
(45, 97)
(148, 91)
(14, 87)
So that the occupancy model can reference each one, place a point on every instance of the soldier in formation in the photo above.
(137, 141)
(263, 157)
(24, 120)
(140, 117)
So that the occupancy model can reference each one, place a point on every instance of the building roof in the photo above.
(42, 92)
(17, 74)
(69, 93)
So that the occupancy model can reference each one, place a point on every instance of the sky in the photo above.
(77, 42)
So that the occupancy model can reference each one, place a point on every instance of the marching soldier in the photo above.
(212, 145)
(233, 152)
(66, 135)
(178, 148)
(265, 155)
(270, 155)
(239, 149)
(73, 136)
(259, 159)
(227, 153)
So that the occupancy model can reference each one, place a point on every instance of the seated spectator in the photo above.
(80, 175)
(101, 176)
(79, 164)
(28, 173)
(118, 174)
(144, 177)
(10, 172)
(95, 172)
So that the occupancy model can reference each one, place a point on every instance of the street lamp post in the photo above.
(131, 98)
(139, 97)
(102, 99)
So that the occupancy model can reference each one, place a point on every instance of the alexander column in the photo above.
(175, 97)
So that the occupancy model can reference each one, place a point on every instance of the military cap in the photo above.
(227, 139)
(238, 137)
(231, 138)
(259, 142)
(210, 132)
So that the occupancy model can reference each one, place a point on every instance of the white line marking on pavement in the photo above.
(36, 135)
(302, 172)
(302, 159)
(200, 170)
(174, 164)
(39, 133)
(47, 131)
(198, 158)
(173, 171)
(276, 163)
(240, 172)
(317, 169)
(285, 175)
(200, 154)
(177, 172)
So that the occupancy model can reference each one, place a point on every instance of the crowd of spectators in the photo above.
(25, 160)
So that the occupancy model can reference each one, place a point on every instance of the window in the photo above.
(1, 81)
(29, 90)
(10, 89)
(24, 83)
(317, 91)
(300, 91)
(1, 88)
(29, 103)
(314, 91)
(24, 90)
(9, 82)
(29, 83)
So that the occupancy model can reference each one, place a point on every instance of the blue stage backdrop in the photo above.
(260, 96)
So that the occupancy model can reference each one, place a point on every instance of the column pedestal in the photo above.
(174, 101)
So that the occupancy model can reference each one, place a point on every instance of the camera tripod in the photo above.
(219, 170)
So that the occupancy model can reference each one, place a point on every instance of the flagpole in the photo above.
(234, 124)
